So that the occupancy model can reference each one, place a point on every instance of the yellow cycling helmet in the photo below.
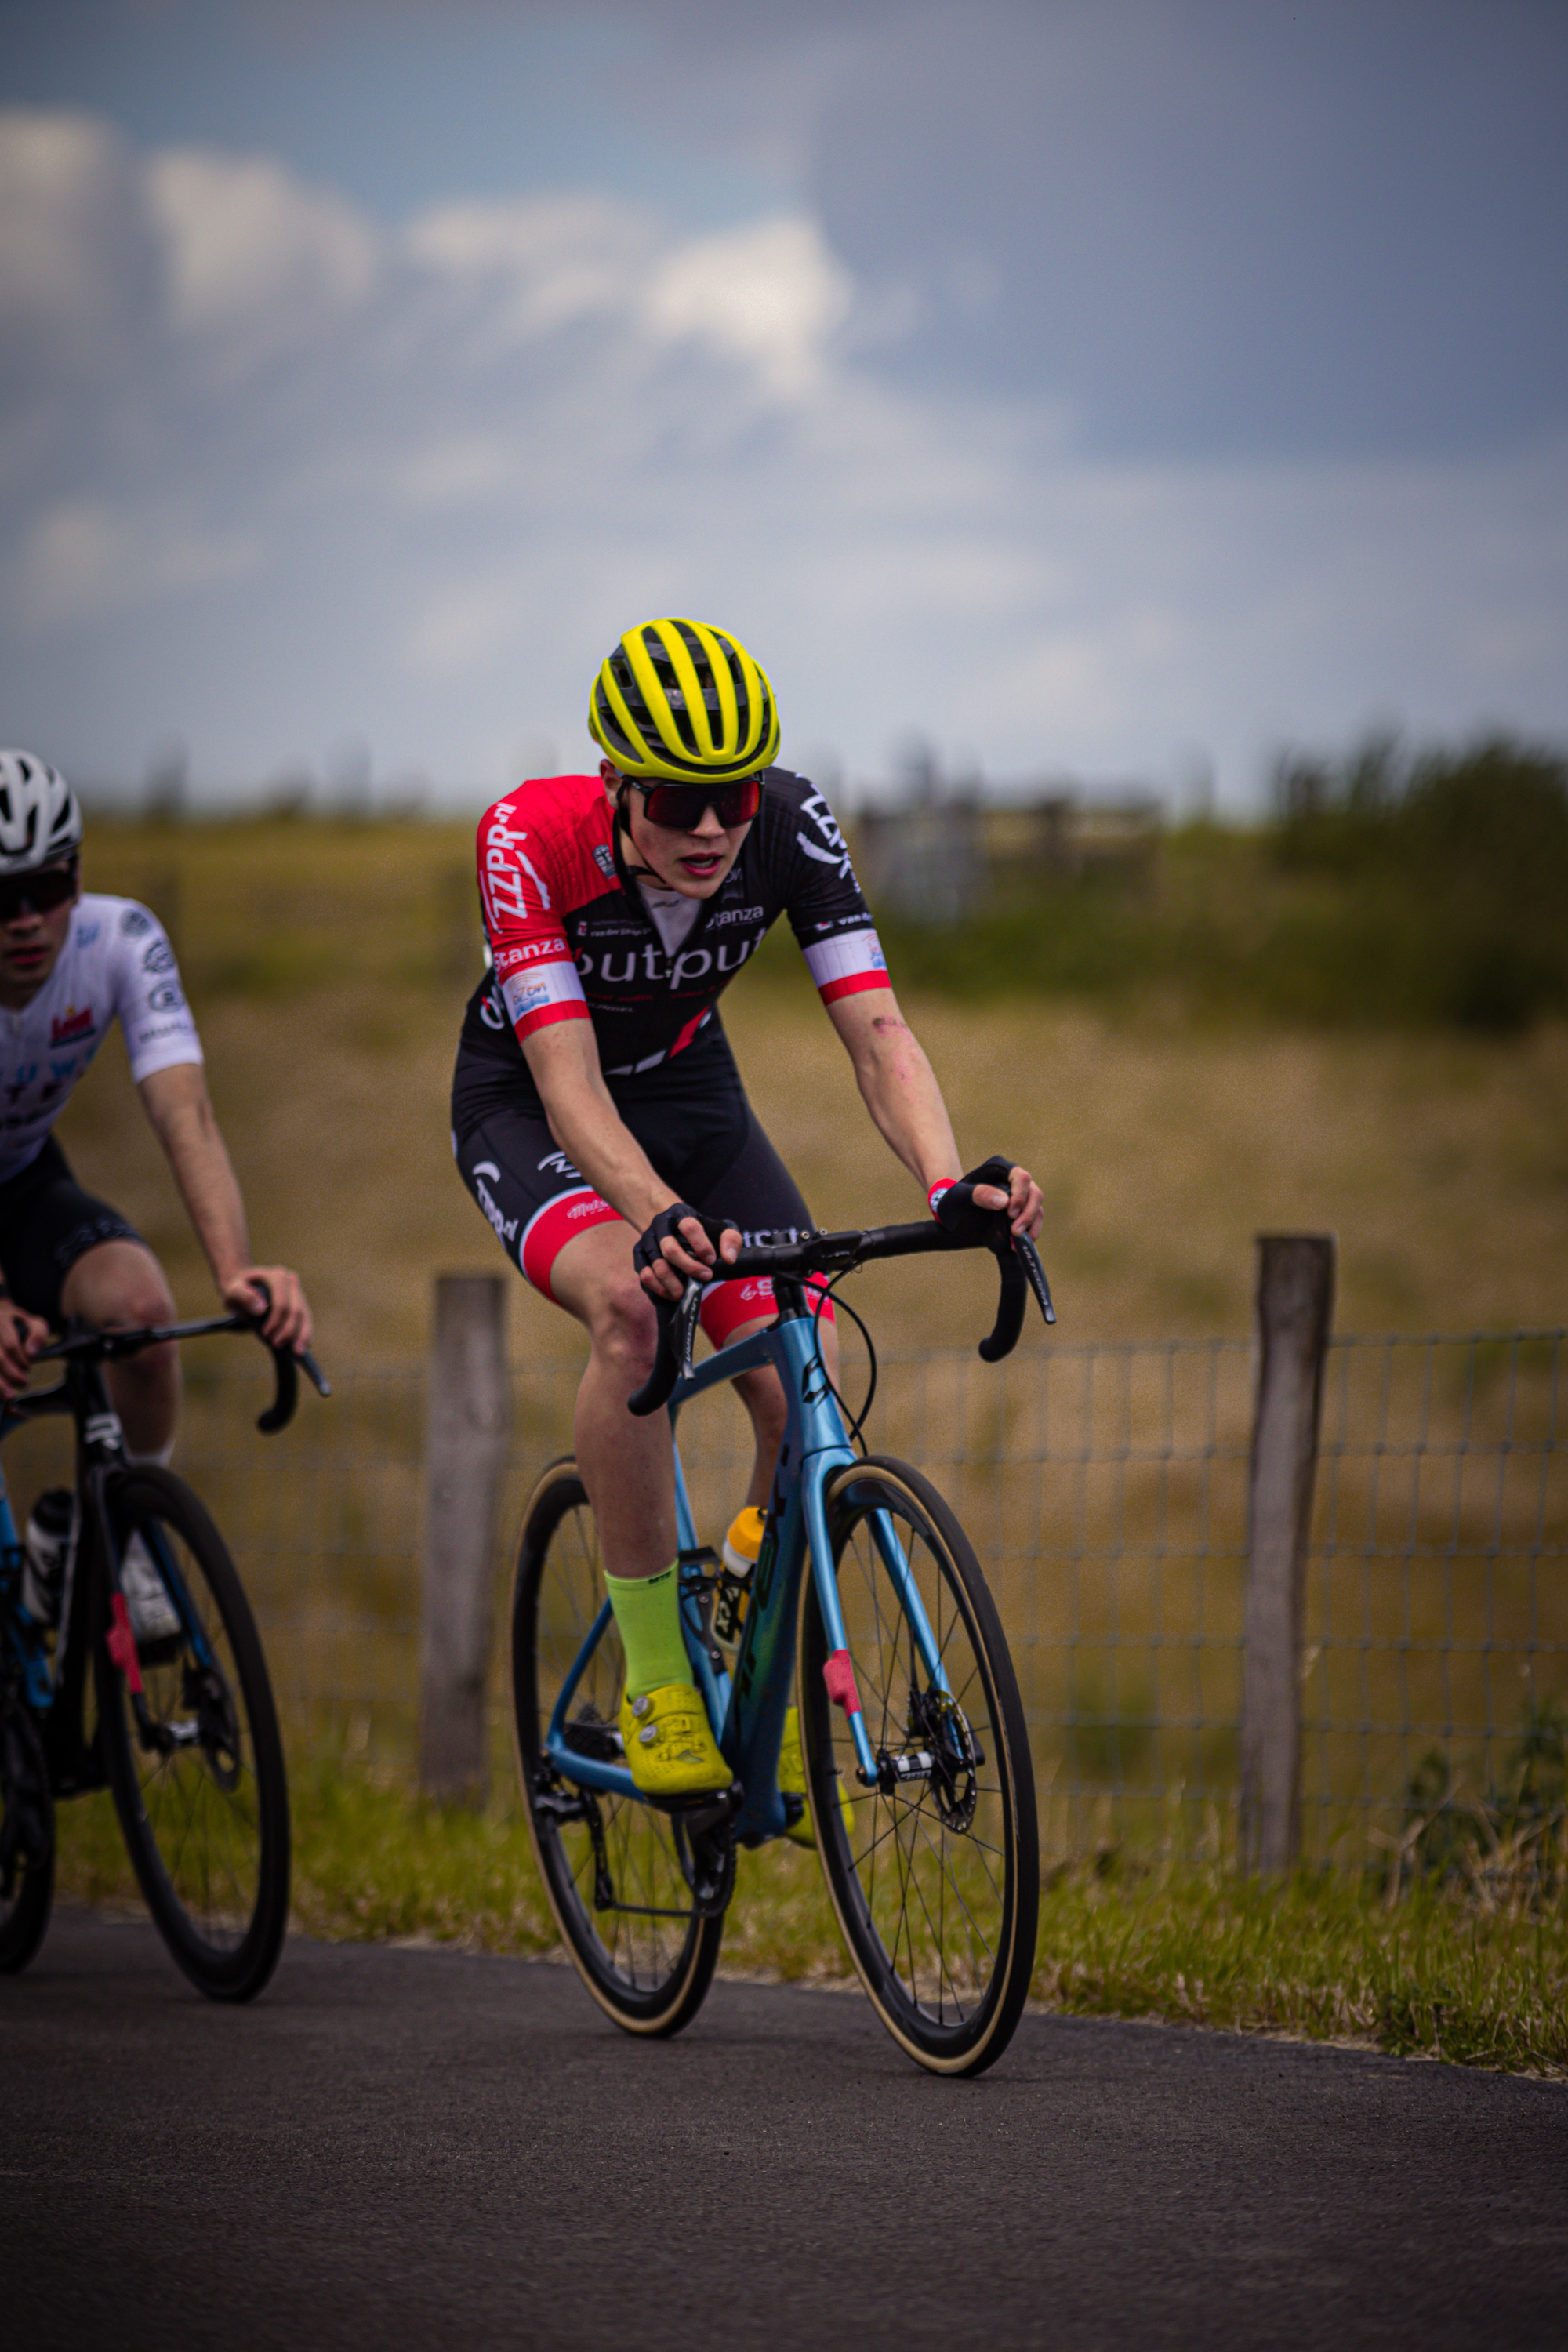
(676, 699)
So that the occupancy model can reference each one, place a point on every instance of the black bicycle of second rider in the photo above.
(129, 1658)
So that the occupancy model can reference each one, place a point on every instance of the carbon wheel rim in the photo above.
(197, 1785)
(638, 1951)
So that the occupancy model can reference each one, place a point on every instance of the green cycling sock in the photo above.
(647, 1614)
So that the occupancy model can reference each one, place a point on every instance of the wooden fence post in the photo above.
(465, 1426)
(1295, 1311)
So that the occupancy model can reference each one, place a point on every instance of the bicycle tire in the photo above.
(26, 1837)
(938, 1912)
(202, 1796)
(646, 1956)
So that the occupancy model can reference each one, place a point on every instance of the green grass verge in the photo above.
(1435, 1973)
(1443, 1971)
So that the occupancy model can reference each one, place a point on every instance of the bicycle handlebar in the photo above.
(1018, 1264)
(108, 1347)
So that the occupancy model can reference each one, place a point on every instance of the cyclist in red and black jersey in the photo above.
(595, 1090)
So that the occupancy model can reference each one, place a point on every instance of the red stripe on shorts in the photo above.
(726, 1305)
(549, 1229)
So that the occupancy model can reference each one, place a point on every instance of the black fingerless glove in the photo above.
(650, 1251)
(955, 1209)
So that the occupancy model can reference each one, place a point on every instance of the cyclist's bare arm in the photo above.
(180, 1108)
(564, 1061)
(900, 1090)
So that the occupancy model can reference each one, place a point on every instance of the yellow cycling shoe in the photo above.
(669, 1743)
(792, 1783)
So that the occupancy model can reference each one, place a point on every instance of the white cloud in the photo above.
(253, 257)
(461, 627)
(459, 471)
(316, 479)
(540, 265)
(770, 294)
(86, 557)
(76, 252)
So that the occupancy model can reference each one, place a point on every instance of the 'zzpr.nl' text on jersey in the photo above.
(572, 938)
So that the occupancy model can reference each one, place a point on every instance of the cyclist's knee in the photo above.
(622, 1328)
(118, 1283)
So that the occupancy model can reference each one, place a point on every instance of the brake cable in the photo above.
(823, 1292)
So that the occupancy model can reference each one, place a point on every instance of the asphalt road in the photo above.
(409, 2149)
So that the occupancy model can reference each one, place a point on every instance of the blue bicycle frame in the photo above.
(748, 1709)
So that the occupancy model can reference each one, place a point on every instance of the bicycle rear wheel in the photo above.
(611, 1865)
(197, 1768)
(27, 1836)
(936, 1885)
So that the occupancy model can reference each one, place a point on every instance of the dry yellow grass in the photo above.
(325, 965)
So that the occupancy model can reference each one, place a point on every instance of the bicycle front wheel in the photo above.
(937, 1882)
(611, 1865)
(194, 1757)
(26, 1835)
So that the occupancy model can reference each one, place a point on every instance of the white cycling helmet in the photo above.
(39, 816)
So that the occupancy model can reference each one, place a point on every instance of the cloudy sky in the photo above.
(1120, 388)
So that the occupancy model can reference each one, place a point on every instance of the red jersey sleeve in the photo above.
(523, 899)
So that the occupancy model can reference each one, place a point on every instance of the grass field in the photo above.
(328, 964)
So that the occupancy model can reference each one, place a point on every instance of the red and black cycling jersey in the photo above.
(572, 937)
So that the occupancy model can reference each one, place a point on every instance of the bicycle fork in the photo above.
(103, 1454)
(875, 1767)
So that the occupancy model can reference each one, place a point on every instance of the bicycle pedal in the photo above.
(705, 1848)
(589, 1737)
(699, 1816)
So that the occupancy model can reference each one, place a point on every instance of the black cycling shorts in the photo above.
(691, 1116)
(47, 1222)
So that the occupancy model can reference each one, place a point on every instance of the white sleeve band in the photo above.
(853, 960)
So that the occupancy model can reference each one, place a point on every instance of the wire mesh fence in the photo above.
(1437, 1623)
(1105, 1490)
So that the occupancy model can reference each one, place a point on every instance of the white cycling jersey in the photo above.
(116, 963)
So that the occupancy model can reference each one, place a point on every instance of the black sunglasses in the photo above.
(677, 808)
(37, 893)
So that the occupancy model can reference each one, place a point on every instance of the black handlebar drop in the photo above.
(1021, 1272)
(286, 1367)
(1010, 1305)
(285, 1371)
(677, 1319)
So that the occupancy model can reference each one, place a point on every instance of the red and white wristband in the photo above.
(943, 1185)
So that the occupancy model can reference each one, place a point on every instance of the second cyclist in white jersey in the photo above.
(70, 966)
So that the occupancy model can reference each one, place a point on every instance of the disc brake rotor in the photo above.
(940, 1724)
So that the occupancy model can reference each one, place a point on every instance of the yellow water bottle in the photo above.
(742, 1547)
